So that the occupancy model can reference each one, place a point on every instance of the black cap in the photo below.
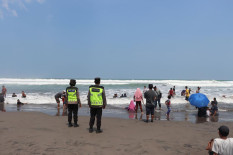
(224, 130)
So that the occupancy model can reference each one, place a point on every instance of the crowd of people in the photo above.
(153, 98)
(97, 101)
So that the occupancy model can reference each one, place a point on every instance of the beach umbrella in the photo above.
(199, 100)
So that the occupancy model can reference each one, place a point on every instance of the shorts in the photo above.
(57, 100)
(150, 110)
(168, 110)
(187, 98)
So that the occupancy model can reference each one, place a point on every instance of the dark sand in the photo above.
(38, 133)
(120, 112)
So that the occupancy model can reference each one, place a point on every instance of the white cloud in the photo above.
(5, 4)
(14, 13)
(11, 6)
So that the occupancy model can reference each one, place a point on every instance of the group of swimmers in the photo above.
(4, 91)
(23, 95)
(122, 95)
(3, 96)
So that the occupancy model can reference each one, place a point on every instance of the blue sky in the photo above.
(117, 39)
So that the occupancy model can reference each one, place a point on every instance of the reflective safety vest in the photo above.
(96, 96)
(72, 96)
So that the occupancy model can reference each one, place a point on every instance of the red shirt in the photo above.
(171, 92)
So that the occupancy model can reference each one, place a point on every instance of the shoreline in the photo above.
(120, 112)
(38, 133)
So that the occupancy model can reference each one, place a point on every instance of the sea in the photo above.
(40, 97)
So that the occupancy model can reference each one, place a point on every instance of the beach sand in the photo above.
(38, 133)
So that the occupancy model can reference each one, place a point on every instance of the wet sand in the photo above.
(189, 114)
(39, 133)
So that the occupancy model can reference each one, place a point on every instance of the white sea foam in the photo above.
(42, 91)
(202, 83)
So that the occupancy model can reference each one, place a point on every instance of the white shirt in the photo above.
(223, 147)
(145, 90)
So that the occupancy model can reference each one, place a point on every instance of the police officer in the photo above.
(97, 102)
(73, 100)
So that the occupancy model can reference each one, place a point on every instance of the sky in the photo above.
(117, 39)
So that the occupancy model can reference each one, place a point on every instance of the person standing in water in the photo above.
(4, 90)
(96, 101)
(158, 97)
(168, 104)
(73, 100)
(186, 93)
(214, 109)
(198, 90)
(171, 93)
(174, 90)
(144, 90)
(2, 105)
(150, 98)
(139, 100)
(215, 101)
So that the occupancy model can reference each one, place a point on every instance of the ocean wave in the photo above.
(48, 98)
(181, 83)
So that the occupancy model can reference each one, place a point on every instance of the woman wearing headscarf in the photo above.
(139, 99)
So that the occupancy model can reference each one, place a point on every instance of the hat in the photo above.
(223, 130)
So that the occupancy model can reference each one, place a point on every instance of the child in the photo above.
(168, 104)
(170, 93)
(131, 107)
(72, 98)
